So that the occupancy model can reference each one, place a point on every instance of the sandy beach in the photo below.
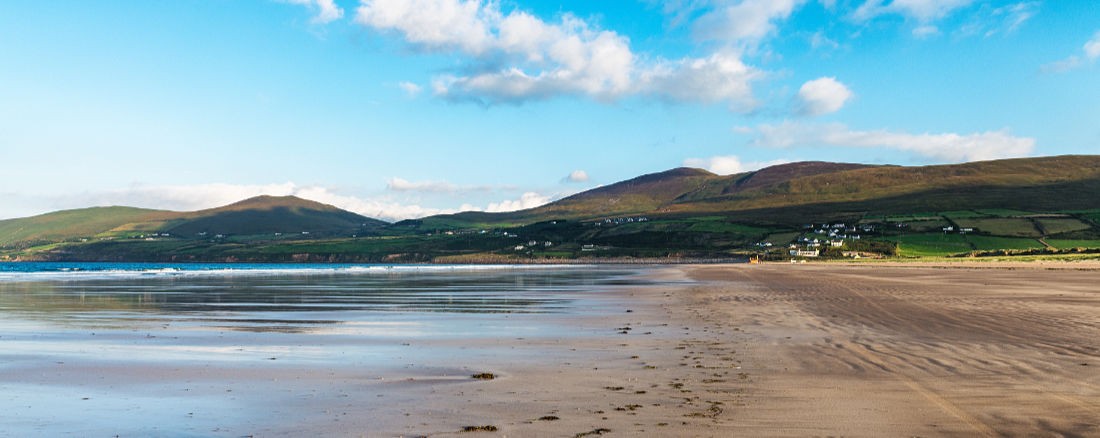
(721, 350)
(811, 350)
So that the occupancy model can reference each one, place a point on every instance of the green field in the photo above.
(780, 239)
(963, 214)
(1017, 227)
(995, 242)
(1070, 244)
(1062, 225)
(1004, 212)
(931, 245)
(923, 226)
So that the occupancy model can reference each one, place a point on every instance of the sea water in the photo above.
(158, 349)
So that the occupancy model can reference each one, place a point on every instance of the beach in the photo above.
(823, 350)
(711, 350)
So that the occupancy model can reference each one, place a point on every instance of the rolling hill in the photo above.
(272, 214)
(263, 215)
(73, 224)
(1030, 205)
(798, 192)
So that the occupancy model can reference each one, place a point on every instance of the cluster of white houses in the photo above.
(620, 220)
(834, 236)
(532, 244)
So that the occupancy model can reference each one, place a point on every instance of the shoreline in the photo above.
(773, 349)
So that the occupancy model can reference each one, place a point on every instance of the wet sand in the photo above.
(736, 350)
(814, 350)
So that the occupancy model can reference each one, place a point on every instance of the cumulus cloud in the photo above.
(744, 21)
(729, 164)
(327, 10)
(1090, 51)
(577, 176)
(719, 77)
(822, 96)
(946, 147)
(527, 200)
(515, 56)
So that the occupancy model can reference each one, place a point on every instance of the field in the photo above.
(1070, 244)
(1062, 225)
(926, 245)
(1018, 227)
(996, 242)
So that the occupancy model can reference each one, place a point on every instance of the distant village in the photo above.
(817, 237)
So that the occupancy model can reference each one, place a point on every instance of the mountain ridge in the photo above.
(677, 212)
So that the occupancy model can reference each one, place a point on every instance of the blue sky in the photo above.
(406, 108)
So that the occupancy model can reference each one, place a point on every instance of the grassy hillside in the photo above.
(72, 224)
(1052, 183)
(264, 215)
(793, 193)
(642, 195)
(273, 214)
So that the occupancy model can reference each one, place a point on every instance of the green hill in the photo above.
(272, 214)
(72, 224)
(641, 195)
(796, 192)
(263, 215)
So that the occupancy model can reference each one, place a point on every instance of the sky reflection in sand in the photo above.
(138, 355)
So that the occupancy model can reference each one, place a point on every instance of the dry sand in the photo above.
(812, 350)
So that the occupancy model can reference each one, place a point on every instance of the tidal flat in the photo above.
(719, 350)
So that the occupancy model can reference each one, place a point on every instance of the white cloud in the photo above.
(516, 57)
(1092, 47)
(403, 185)
(947, 147)
(744, 21)
(327, 10)
(527, 200)
(821, 41)
(721, 77)
(1090, 52)
(409, 88)
(1013, 16)
(1063, 65)
(823, 96)
(925, 31)
(924, 11)
(988, 21)
(729, 164)
(577, 176)
(434, 24)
